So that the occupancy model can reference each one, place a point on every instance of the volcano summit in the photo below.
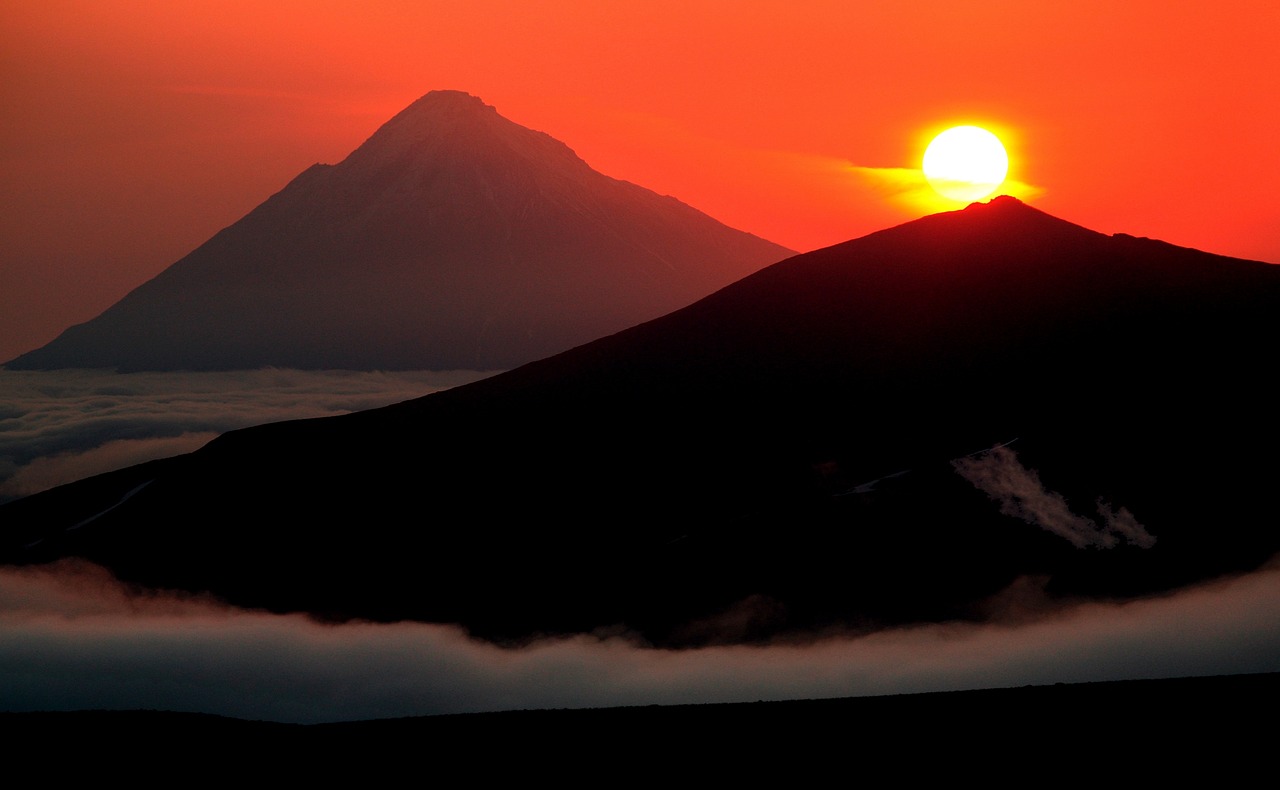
(452, 238)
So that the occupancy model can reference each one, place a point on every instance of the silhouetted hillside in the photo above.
(801, 450)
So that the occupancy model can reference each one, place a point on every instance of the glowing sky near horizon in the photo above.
(134, 131)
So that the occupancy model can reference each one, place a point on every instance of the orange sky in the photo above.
(134, 130)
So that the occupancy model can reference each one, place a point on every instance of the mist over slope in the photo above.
(451, 239)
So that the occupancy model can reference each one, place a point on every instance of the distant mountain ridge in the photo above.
(451, 238)
(775, 459)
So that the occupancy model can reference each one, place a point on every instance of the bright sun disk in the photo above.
(965, 163)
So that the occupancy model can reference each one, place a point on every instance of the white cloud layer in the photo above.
(74, 639)
(60, 426)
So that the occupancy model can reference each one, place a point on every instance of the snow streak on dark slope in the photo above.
(451, 239)
(689, 478)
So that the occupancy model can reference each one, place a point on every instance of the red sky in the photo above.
(135, 130)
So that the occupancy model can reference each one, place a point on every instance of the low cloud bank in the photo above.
(60, 426)
(74, 639)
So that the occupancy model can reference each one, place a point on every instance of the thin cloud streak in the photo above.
(74, 639)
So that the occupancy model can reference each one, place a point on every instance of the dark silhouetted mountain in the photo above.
(778, 457)
(452, 238)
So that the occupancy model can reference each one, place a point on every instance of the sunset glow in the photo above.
(136, 133)
(394, 360)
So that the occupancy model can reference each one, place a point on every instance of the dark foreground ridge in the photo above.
(451, 239)
(778, 457)
(1146, 729)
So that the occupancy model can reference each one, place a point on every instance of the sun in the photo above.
(965, 163)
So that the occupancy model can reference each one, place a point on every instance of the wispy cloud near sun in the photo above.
(908, 188)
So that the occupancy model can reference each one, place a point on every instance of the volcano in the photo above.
(451, 239)
(900, 428)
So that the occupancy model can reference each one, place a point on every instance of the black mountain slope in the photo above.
(452, 238)
(708, 476)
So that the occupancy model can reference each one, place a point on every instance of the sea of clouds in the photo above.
(60, 426)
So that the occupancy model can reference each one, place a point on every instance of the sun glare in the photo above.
(965, 163)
